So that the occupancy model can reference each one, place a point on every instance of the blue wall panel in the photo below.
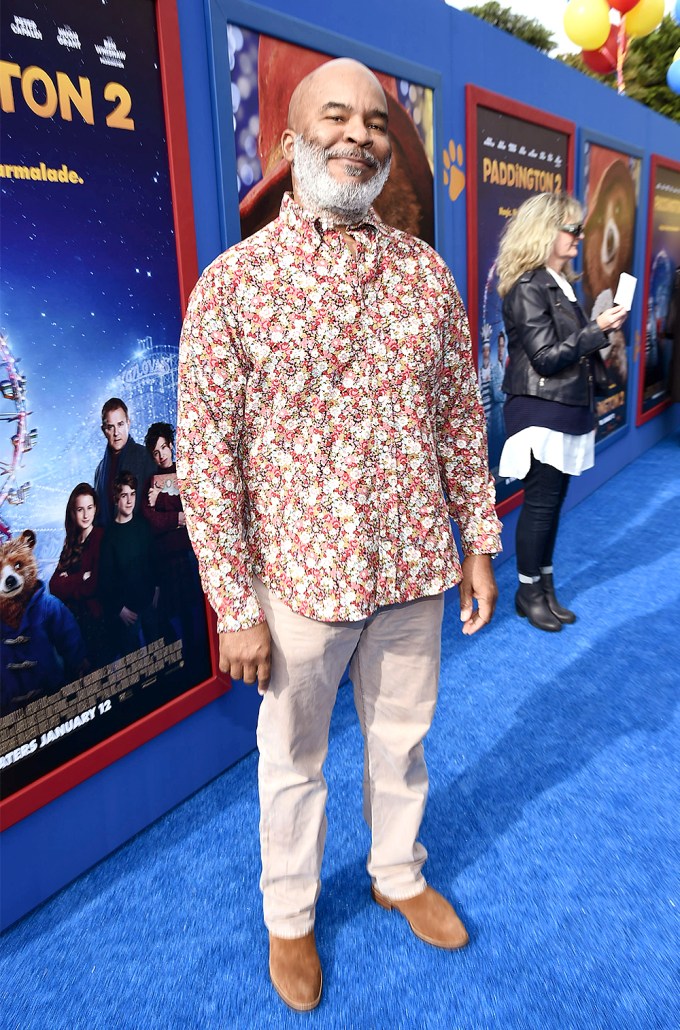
(64, 838)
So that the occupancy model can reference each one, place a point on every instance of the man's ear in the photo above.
(288, 144)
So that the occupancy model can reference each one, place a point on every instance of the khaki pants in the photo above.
(395, 669)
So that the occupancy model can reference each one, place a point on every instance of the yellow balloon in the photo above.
(676, 55)
(643, 18)
(586, 22)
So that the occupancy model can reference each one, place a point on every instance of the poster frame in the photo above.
(53, 784)
(270, 23)
(656, 161)
(476, 97)
(586, 135)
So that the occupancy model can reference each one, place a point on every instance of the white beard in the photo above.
(320, 193)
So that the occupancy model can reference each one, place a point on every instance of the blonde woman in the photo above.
(553, 365)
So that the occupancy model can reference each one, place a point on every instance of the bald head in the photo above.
(344, 73)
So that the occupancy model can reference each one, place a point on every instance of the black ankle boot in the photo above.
(548, 587)
(531, 604)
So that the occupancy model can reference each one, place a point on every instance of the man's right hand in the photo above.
(246, 655)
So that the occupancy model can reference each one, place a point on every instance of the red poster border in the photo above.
(656, 161)
(53, 784)
(476, 97)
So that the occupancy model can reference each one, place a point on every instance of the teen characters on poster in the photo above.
(122, 586)
(129, 573)
(180, 587)
(122, 454)
(75, 580)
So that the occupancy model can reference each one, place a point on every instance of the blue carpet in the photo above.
(552, 823)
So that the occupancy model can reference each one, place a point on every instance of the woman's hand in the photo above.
(612, 318)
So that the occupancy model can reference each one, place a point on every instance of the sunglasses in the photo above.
(574, 228)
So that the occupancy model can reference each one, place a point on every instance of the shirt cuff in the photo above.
(233, 618)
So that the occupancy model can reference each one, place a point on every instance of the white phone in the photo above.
(625, 291)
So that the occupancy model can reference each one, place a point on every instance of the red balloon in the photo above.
(622, 6)
(603, 61)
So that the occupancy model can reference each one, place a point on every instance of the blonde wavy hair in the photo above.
(528, 238)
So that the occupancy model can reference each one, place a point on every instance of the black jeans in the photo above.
(545, 488)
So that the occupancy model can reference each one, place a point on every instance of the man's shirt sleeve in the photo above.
(461, 437)
(212, 382)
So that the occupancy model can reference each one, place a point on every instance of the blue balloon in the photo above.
(676, 12)
(673, 76)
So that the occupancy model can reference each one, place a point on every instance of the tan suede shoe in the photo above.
(295, 971)
(430, 916)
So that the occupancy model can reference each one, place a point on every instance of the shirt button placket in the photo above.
(391, 519)
(385, 452)
(386, 462)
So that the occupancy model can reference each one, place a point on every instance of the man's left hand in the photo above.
(478, 584)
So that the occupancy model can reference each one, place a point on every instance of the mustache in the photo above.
(354, 153)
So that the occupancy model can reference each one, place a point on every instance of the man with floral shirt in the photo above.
(329, 427)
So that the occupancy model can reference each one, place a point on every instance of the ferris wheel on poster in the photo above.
(13, 411)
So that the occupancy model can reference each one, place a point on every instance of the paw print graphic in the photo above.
(454, 176)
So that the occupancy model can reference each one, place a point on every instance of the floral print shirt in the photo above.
(329, 423)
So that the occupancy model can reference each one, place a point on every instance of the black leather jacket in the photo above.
(550, 354)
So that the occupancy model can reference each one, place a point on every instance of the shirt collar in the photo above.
(314, 226)
(563, 283)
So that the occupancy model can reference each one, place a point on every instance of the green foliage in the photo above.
(646, 65)
(528, 29)
(576, 61)
(644, 69)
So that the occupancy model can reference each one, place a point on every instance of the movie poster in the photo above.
(663, 258)
(264, 73)
(611, 188)
(515, 159)
(103, 619)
